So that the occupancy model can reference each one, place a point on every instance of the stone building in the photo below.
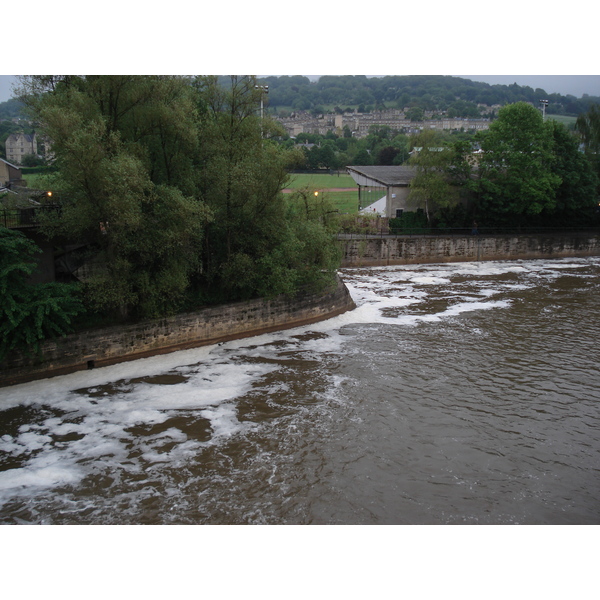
(9, 174)
(360, 123)
(20, 144)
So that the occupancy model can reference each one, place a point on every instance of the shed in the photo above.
(389, 182)
(9, 174)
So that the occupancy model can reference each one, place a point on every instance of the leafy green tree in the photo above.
(516, 177)
(577, 194)
(31, 160)
(431, 188)
(253, 246)
(174, 185)
(387, 155)
(588, 126)
(30, 313)
(415, 113)
(362, 157)
(124, 148)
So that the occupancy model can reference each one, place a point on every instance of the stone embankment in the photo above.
(379, 251)
(101, 347)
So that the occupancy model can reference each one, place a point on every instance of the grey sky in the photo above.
(576, 85)
(5, 87)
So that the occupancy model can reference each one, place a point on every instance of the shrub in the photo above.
(30, 313)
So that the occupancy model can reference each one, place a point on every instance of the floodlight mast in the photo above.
(264, 89)
(544, 104)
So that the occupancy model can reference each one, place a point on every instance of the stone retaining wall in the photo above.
(432, 249)
(101, 347)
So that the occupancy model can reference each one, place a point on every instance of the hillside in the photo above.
(338, 93)
(429, 92)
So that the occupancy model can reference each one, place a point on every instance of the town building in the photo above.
(19, 145)
(360, 123)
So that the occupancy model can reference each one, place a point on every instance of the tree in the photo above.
(387, 154)
(588, 126)
(516, 178)
(415, 113)
(576, 196)
(124, 148)
(174, 185)
(362, 157)
(32, 160)
(253, 246)
(431, 188)
(30, 313)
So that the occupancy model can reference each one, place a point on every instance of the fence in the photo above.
(18, 218)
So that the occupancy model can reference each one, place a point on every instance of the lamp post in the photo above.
(544, 104)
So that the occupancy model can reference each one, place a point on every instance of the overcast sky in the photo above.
(508, 40)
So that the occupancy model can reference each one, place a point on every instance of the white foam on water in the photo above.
(102, 417)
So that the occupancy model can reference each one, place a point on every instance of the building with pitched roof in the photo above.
(377, 183)
(19, 145)
(9, 174)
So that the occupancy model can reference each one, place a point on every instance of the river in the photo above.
(457, 393)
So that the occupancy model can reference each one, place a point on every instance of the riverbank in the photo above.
(110, 345)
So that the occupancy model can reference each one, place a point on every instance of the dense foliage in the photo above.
(588, 126)
(521, 172)
(30, 313)
(174, 186)
(516, 176)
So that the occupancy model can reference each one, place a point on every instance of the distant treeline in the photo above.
(429, 92)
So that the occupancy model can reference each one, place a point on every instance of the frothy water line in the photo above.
(449, 377)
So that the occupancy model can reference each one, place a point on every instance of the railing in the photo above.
(19, 218)
(465, 231)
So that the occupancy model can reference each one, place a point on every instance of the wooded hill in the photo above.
(429, 92)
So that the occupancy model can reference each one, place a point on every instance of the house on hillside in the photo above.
(9, 174)
(383, 190)
(20, 144)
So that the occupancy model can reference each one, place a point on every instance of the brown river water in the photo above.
(458, 393)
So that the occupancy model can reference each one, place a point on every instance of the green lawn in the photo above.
(321, 181)
(345, 202)
(36, 181)
(565, 120)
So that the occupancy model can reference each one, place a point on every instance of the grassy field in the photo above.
(321, 181)
(344, 201)
(567, 121)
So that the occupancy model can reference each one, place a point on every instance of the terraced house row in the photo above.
(360, 123)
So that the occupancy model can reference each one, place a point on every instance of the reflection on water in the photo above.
(454, 393)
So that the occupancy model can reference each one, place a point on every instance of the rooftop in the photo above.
(399, 175)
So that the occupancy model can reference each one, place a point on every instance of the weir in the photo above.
(402, 250)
